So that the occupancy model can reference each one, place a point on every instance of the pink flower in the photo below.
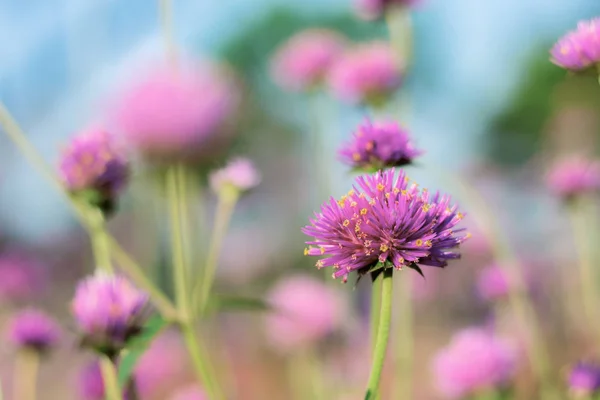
(304, 60)
(21, 277)
(172, 113)
(579, 49)
(304, 311)
(239, 174)
(574, 176)
(193, 392)
(367, 73)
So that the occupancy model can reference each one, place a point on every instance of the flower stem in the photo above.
(109, 377)
(25, 375)
(166, 21)
(405, 342)
(100, 245)
(383, 332)
(198, 355)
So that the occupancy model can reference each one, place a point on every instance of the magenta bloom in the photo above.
(239, 174)
(375, 9)
(579, 49)
(305, 310)
(379, 145)
(383, 220)
(90, 384)
(34, 329)
(492, 283)
(584, 379)
(108, 310)
(574, 176)
(304, 60)
(21, 277)
(474, 360)
(174, 113)
(367, 73)
(193, 392)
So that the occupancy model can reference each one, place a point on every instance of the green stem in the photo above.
(100, 245)
(399, 24)
(383, 332)
(198, 356)
(405, 341)
(166, 21)
(109, 377)
(25, 374)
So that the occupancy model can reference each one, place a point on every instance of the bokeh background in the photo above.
(484, 102)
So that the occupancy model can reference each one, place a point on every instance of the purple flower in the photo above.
(574, 176)
(303, 62)
(584, 379)
(474, 360)
(34, 329)
(90, 383)
(492, 283)
(108, 310)
(21, 277)
(304, 311)
(379, 145)
(367, 74)
(173, 114)
(375, 9)
(383, 220)
(579, 49)
(192, 392)
(239, 174)
(95, 161)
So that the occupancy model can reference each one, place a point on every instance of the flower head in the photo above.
(574, 176)
(34, 329)
(375, 9)
(304, 311)
(379, 145)
(192, 392)
(367, 73)
(108, 310)
(384, 220)
(21, 278)
(172, 114)
(94, 160)
(492, 283)
(239, 174)
(579, 49)
(304, 60)
(584, 379)
(474, 360)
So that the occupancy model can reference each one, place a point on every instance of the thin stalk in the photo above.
(100, 245)
(399, 23)
(109, 377)
(383, 332)
(165, 12)
(199, 355)
(404, 342)
(25, 375)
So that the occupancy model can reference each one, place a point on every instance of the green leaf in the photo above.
(238, 303)
(137, 346)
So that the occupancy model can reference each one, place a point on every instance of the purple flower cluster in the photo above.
(375, 9)
(108, 310)
(379, 145)
(574, 176)
(384, 220)
(579, 49)
(34, 329)
(584, 379)
(239, 174)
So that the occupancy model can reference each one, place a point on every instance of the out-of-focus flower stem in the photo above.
(16, 134)
(25, 374)
(383, 332)
(109, 377)
(488, 394)
(100, 245)
(166, 20)
(399, 22)
(198, 356)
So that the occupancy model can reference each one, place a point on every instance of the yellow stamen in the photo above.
(363, 211)
(384, 247)
(346, 222)
(380, 187)
(419, 242)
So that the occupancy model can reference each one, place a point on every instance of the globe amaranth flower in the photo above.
(366, 74)
(108, 310)
(21, 277)
(34, 329)
(378, 145)
(574, 176)
(375, 9)
(474, 360)
(173, 114)
(579, 50)
(384, 220)
(584, 379)
(192, 392)
(302, 62)
(305, 310)
(239, 174)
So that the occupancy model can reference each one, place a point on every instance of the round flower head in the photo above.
(239, 174)
(579, 49)
(367, 73)
(379, 145)
(21, 277)
(34, 329)
(375, 9)
(574, 176)
(303, 62)
(108, 310)
(193, 392)
(304, 311)
(384, 220)
(173, 113)
(474, 360)
(95, 161)
(492, 283)
(584, 379)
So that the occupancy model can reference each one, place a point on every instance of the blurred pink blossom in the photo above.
(574, 176)
(21, 277)
(492, 283)
(239, 173)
